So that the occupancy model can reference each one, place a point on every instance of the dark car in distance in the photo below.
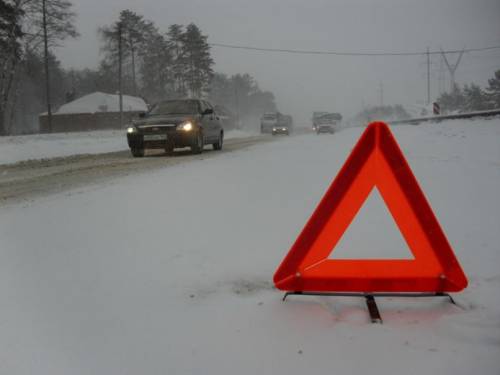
(280, 130)
(174, 124)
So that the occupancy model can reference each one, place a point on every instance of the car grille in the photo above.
(157, 129)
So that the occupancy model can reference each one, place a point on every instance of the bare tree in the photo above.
(53, 21)
(45, 23)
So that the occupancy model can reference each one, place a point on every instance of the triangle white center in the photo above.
(373, 234)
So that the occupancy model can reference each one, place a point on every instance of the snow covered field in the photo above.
(170, 272)
(41, 146)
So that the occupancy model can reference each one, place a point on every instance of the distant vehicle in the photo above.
(284, 126)
(172, 124)
(268, 121)
(280, 130)
(275, 122)
(315, 117)
(327, 123)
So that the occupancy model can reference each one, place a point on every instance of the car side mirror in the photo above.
(142, 114)
(208, 111)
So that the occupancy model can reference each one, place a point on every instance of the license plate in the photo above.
(155, 137)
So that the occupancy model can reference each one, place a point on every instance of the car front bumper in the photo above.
(325, 129)
(175, 138)
(280, 131)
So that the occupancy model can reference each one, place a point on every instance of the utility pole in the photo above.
(132, 50)
(46, 63)
(120, 95)
(237, 102)
(452, 68)
(381, 89)
(428, 77)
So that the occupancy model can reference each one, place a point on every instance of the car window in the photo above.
(203, 105)
(172, 107)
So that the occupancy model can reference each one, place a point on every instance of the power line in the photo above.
(339, 53)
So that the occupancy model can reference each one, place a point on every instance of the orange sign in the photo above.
(375, 161)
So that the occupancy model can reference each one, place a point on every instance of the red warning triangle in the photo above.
(376, 160)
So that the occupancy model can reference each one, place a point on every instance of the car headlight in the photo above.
(186, 126)
(131, 129)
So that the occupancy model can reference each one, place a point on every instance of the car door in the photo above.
(205, 121)
(212, 123)
(217, 122)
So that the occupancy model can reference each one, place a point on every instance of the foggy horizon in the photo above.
(304, 83)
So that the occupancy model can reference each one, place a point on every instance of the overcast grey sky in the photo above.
(306, 83)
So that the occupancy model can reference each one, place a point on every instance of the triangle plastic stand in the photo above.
(376, 160)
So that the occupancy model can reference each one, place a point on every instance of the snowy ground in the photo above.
(41, 146)
(170, 272)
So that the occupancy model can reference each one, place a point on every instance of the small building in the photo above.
(96, 111)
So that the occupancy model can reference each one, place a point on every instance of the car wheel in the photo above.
(169, 149)
(137, 152)
(218, 145)
(197, 147)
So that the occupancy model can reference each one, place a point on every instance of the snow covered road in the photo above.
(169, 271)
(19, 148)
(35, 177)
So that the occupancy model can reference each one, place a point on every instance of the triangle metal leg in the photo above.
(373, 309)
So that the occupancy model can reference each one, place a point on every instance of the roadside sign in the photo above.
(436, 109)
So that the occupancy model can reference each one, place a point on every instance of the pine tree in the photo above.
(10, 30)
(493, 91)
(156, 69)
(175, 37)
(134, 32)
(475, 98)
(453, 101)
(197, 59)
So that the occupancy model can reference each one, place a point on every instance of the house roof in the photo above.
(101, 102)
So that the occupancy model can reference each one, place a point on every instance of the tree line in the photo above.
(472, 97)
(155, 65)
(382, 112)
(241, 94)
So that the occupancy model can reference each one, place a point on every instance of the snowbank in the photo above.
(41, 146)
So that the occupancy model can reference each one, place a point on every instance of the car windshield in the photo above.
(172, 107)
(270, 117)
